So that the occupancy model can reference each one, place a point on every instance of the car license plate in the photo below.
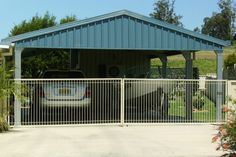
(64, 91)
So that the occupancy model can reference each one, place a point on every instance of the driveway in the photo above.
(110, 141)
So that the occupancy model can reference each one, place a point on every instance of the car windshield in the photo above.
(63, 74)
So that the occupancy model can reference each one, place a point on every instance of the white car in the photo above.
(61, 93)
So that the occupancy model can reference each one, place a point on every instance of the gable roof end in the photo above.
(150, 20)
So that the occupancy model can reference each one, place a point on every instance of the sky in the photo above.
(12, 12)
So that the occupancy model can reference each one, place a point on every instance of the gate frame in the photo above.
(17, 103)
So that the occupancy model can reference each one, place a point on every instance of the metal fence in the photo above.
(117, 101)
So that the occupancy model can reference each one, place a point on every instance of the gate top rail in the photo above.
(70, 79)
(118, 79)
(147, 79)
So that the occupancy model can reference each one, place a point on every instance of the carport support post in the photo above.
(189, 89)
(17, 103)
(163, 59)
(219, 91)
(165, 108)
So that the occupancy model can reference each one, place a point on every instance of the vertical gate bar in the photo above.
(144, 87)
(226, 96)
(47, 112)
(122, 120)
(219, 101)
(8, 106)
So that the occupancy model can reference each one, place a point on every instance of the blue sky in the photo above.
(14, 11)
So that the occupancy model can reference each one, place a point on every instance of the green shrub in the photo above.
(195, 73)
(230, 60)
(198, 103)
(3, 125)
(7, 88)
(198, 100)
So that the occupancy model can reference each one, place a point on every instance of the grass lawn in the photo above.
(200, 63)
(206, 114)
(206, 63)
(205, 60)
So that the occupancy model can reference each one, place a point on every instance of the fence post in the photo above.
(17, 108)
(122, 102)
(17, 103)
(189, 85)
(219, 100)
(219, 90)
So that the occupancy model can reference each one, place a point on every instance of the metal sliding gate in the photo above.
(116, 101)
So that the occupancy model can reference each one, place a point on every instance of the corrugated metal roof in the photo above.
(118, 30)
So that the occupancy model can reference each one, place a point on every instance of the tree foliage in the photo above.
(68, 19)
(35, 61)
(164, 11)
(35, 23)
(39, 22)
(230, 60)
(221, 25)
(7, 87)
(197, 29)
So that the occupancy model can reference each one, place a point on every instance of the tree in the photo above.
(164, 11)
(221, 25)
(39, 22)
(35, 62)
(197, 29)
(68, 19)
(7, 88)
(230, 60)
(228, 11)
(215, 26)
(35, 23)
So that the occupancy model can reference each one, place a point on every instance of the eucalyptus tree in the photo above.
(164, 11)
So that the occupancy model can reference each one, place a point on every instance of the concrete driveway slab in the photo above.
(110, 141)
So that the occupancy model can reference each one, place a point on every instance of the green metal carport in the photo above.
(120, 37)
(121, 31)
